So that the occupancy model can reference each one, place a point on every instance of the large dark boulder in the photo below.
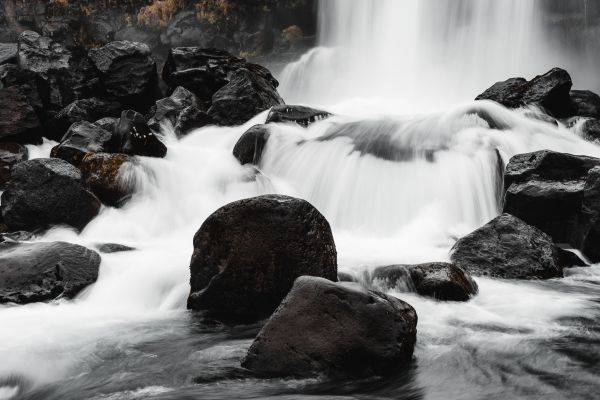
(182, 110)
(127, 72)
(32, 272)
(41, 54)
(91, 109)
(45, 192)
(585, 104)
(550, 91)
(105, 175)
(133, 136)
(246, 95)
(334, 329)
(81, 139)
(250, 146)
(590, 216)
(545, 189)
(508, 248)
(248, 253)
(18, 120)
(10, 155)
(442, 281)
(301, 115)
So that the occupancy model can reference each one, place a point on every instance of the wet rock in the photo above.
(442, 281)
(508, 248)
(550, 91)
(10, 154)
(8, 53)
(301, 115)
(192, 118)
(585, 104)
(590, 216)
(249, 147)
(246, 95)
(545, 189)
(107, 123)
(33, 272)
(90, 110)
(182, 110)
(569, 259)
(127, 72)
(81, 139)
(45, 192)
(134, 137)
(109, 248)
(18, 119)
(591, 130)
(248, 253)
(25, 82)
(41, 54)
(103, 174)
(333, 329)
(346, 277)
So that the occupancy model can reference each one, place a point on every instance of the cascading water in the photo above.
(398, 183)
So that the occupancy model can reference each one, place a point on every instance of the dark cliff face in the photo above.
(250, 28)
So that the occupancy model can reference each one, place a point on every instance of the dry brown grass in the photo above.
(158, 14)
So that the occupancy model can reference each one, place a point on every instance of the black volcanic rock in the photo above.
(107, 123)
(508, 248)
(45, 192)
(90, 110)
(249, 147)
(585, 104)
(134, 137)
(248, 253)
(591, 130)
(182, 110)
(8, 53)
(301, 115)
(103, 174)
(334, 329)
(81, 139)
(127, 72)
(246, 95)
(41, 54)
(10, 155)
(442, 281)
(18, 120)
(550, 91)
(590, 216)
(33, 272)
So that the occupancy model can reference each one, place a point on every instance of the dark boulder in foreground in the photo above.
(103, 174)
(336, 330)
(590, 130)
(545, 189)
(10, 155)
(246, 95)
(81, 139)
(134, 137)
(182, 110)
(442, 281)
(301, 115)
(250, 146)
(508, 248)
(32, 272)
(550, 91)
(45, 192)
(248, 254)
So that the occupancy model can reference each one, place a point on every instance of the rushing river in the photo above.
(398, 177)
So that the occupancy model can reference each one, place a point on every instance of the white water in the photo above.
(381, 211)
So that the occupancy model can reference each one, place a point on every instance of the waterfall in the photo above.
(434, 52)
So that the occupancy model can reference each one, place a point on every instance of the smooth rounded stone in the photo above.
(8, 53)
(10, 154)
(103, 174)
(442, 281)
(300, 115)
(182, 110)
(81, 139)
(335, 330)
(585, 104)
(250, 146)
(90, 110)
(550, 91)
(545, 190)
(127, 72)
(45, 192)
(109, 248)
(248, 254)
(18, 119)
(134, 137)
(508, 248)
(246, 95)
(33, 272)
(40, 54)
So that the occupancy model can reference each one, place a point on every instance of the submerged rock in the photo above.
(301, 115)
(508, 248)
(442, 281)
(103, 174)
(248, 253)
(10, 155)
(45, 192)
(32, 272)
(81, 139)
(134, 137)
(333, 329)
(250, 146)
(109, 248)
